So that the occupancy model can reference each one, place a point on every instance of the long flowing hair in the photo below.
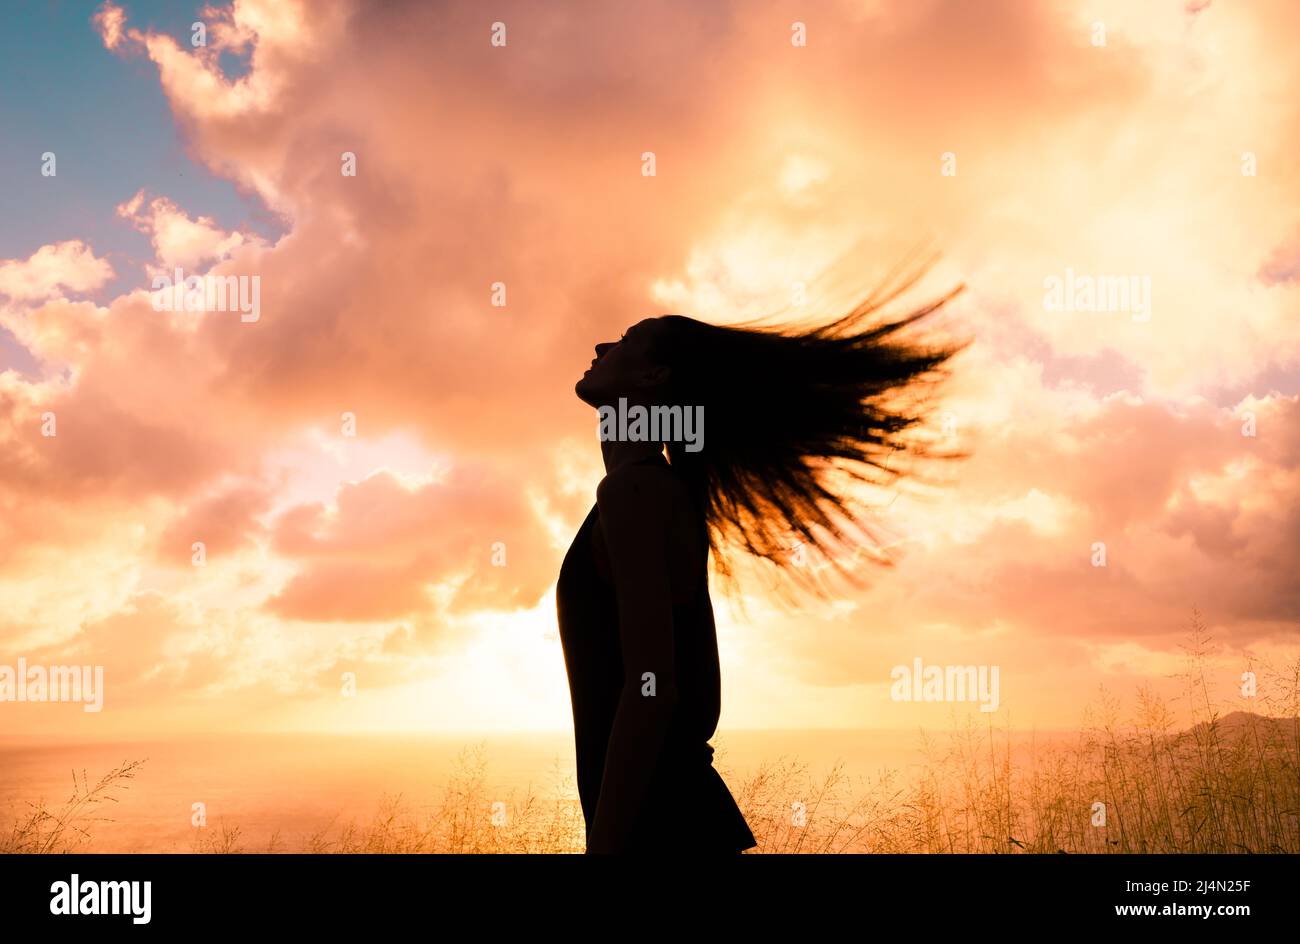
(793, 416)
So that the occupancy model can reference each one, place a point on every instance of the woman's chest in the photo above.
(588, 577)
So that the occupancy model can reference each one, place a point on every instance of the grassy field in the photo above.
(1131, 783)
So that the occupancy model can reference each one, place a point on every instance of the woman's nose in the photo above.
(602, 348)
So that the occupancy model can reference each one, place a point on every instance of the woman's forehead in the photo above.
(643, 325)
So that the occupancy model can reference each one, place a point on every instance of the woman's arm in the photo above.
(635, 513)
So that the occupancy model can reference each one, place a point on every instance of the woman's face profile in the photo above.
(624, 368)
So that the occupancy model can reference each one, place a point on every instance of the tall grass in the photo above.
(470, 817)
(1227, 783)
(67, 828)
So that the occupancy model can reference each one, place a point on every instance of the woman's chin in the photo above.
(591, 392)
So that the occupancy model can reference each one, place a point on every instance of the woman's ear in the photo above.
(656, 376)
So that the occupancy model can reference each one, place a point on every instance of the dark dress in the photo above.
(688, 808)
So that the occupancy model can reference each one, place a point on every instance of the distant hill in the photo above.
(1233, 726)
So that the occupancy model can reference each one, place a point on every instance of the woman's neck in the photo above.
(619, 452)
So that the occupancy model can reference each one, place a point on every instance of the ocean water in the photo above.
(298, 785)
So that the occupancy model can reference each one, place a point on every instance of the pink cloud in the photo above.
(69, 266)
(380, 552)
(177, 239)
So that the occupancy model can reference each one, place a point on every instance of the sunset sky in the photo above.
(1166, 152)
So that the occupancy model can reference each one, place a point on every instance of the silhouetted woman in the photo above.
(781, 407)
